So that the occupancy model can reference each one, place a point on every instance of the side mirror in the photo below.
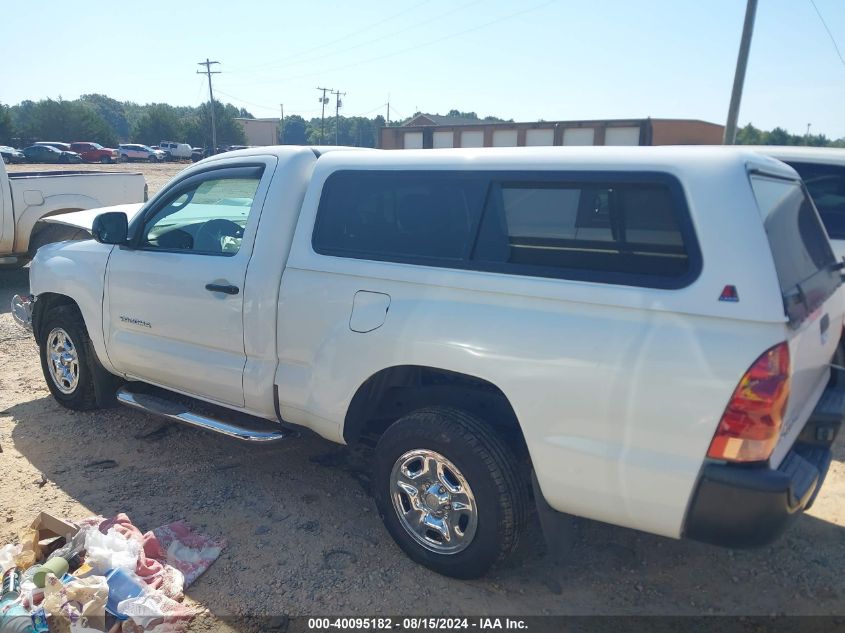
(111, 228)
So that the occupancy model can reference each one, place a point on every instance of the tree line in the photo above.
(104, 120)
(101, 119)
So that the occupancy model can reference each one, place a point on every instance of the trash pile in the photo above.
(101, 575)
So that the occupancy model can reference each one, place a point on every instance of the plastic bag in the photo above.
(8, 554)
(79, 603)
(110, 551)
(153, 611)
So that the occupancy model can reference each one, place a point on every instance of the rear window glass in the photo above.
(546, 229)
(802, 255)
(398, 216)
(826, 184)
(621, 227)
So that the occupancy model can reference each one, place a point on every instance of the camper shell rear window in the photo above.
(804, 261)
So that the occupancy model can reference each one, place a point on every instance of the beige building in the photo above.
(260, 131)
(433, 131)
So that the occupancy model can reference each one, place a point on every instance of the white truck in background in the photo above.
(27, 199)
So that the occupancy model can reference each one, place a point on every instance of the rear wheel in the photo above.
(73, 374)
(449, 491)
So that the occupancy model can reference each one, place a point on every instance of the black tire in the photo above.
(95, 386)
(105, 160)
(490, 469)
(6, 160)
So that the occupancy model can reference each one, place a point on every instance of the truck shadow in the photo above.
(304, 536)
(12, 282)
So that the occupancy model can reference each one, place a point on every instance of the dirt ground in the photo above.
(157, 174)
(304, 537)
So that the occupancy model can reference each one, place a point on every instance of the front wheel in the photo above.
(70, 367)
(449, 491)
(105, 160)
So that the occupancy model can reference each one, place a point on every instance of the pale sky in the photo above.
(526, 60)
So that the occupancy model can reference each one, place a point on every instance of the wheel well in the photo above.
(47, 301)
(394, 392)
(50, 232)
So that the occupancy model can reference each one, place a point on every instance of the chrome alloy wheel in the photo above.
(63, 360)
(433, 501)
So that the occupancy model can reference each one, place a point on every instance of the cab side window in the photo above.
(207, 217)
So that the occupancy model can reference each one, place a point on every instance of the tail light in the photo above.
(751, 423)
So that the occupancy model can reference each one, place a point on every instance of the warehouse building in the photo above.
(433, 131)
(260, 131)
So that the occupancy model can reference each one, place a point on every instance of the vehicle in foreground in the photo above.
(94, 152)
(11, 155)
(29, 199)
(642, 335)
(49, 154)
(131, 152)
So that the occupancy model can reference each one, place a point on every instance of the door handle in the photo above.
(229, 290)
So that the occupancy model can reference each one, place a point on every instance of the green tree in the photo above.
(63, 121)
(112, 111)
(6, 128)
(749, 135)
(160, 122)
(296, 131)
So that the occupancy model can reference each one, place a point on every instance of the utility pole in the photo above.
(282, 131)
(388, 111)
(210, 72)
(739, 75)
(337, 94)
(323, 101)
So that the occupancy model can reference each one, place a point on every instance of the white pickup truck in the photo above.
(27, 199)
(642, 335)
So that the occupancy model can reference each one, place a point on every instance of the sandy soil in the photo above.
(157, 174)
(305, 539)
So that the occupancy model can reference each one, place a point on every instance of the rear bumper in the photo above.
(749, 506)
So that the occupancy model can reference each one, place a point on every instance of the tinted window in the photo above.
(826, 184)
(802, 254)
(548, 228)
(206, 218)
(398, 215)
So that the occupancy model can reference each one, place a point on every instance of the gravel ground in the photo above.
(305, 539)
(157, 174)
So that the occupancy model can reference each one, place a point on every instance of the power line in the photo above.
(369, 27)
(436, 18)
(207, 63)
(408, 49)
(826, 28)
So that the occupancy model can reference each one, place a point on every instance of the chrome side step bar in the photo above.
(175, 411)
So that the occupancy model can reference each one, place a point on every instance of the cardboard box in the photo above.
(48, 530)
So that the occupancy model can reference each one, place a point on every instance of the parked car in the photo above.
(27, 198)
(176, 151)
(62, 147)
(643, 334)
(12, 155)
(49, 154)
(198, 153)
(94, 152)
(134, 152)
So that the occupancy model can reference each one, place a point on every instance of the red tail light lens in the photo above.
(749, 429)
